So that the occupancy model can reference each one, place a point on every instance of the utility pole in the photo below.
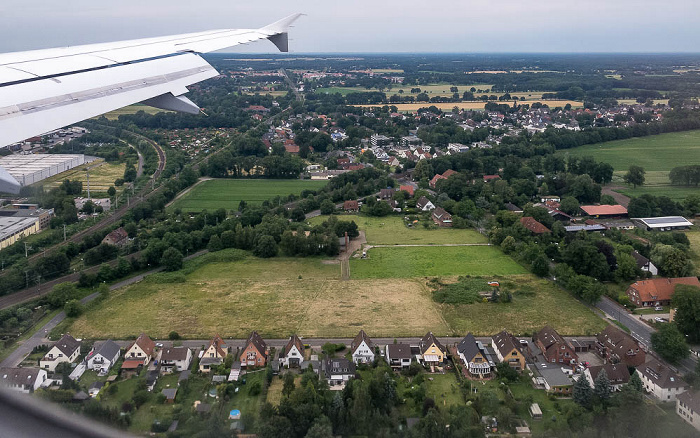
(26, 277)
(64, 232)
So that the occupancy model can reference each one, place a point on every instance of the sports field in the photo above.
(228, 193)
(657, 154)
(243, 294)
(390, 230)
(410, 262)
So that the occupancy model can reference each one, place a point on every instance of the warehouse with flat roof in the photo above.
(666, 223)
(29, 169)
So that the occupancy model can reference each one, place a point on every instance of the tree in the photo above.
(569, 205)
(505, 371)
(214, 243)
(669, 343)
(635, 382)
(601, 386)
(73, 309)
(266, 247)
(327, 206)
(298, 215)
(582, 391)
(321, 428)
(111, 191)
(173, 336)
(671, 261)
(686, 301)
(288, 386)
(635, 176)
(508, 245)
(172, 259)
(540, 266)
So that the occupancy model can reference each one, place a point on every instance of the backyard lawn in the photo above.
(228, 193)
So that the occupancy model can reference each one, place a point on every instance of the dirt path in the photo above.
(619, 197)
(354, 245)
(186, 191)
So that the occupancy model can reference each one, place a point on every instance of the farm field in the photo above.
(228, 193)
(410, 262)
(694, 237)
(132, 109)
(472, 105)
(102, 176)
(390, 230)
(432, 90)
(657, 154)
(281, 296)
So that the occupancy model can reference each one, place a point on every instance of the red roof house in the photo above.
(533, 225)
(657, 291)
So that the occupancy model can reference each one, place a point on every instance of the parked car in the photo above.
(523, 342)
(658, 319)
(659, 309)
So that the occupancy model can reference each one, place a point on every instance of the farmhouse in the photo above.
(555, 349)
(24, 380)
(254, 353)
(442, 218)
(398, 355)
(118, 237)
(432, 351)
(67, 349)
(101, 359)
(351, 206)
(657, 291)
(508, 349)
(473, 356)
(604, 211)
(616, 346)
(175, 359)
(362, 348)
(533, 225)
(618, 374)
(424, 204)
(214, 354)
(688, 408)
(293, 353)
(661, 381)
(666, 223)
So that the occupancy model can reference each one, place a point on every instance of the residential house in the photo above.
(67, 349)
(661, 381)
(143, 350)
(508, 349)
(534, 226)
(616, 346)
(436, 178)
(424, 204)
(102, 358)
(398, 355)
(644, 263)
(175, 359)
(118, 237)
(442, 218)
(657, 291)
(351, 206)
(513, 208)
(431, 350)
(24, 380)
(213, 355)
(618, 374)
(554, 347)
(255, 352)
(553, 379)
(488, 178)
(688, 408)
(293, 353)
(386, 193)
(408, 189)
(338, 370)
(473, 356)
(362, 348)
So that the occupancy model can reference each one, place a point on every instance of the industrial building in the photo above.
(22, 220)
(23, 170)
(666, 223)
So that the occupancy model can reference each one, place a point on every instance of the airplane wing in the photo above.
(42, 90)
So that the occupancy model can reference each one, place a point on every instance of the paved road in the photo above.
(641, 331)
(40, 337)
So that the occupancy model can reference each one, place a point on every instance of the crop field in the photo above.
(657, 154)
(472, 105)
(102, 176)
(432, 90)
(132, 109)
(228, 193)
(411, 262)
(391, 230)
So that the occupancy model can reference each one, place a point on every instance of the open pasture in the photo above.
(228, 193)
(447, 106)
(102, 176)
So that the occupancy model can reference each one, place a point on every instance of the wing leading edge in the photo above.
(44, 90)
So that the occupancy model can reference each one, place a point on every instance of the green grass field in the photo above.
(390, 230)
(657, 154)
(410, 262)
(228, 193)
(133, 109)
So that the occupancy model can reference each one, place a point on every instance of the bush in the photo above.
(173, 336)
(73, 309)
(254, 389)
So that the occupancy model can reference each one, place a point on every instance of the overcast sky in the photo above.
(370, 25)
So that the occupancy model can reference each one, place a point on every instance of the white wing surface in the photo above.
(43, 90)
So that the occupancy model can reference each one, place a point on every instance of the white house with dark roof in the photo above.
(24, 380)
(424, 204)
(398, 355)
(67, 349)
(101, 359)
(175, 359)
(661, 381)
(293, 353)
(474, 357)
(362, 348)
(617, 374)
(688, 408)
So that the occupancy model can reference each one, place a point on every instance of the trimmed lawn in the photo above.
(390, 230)
(536, 302)
(444, 389)
(408, 262)
(228, 193)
